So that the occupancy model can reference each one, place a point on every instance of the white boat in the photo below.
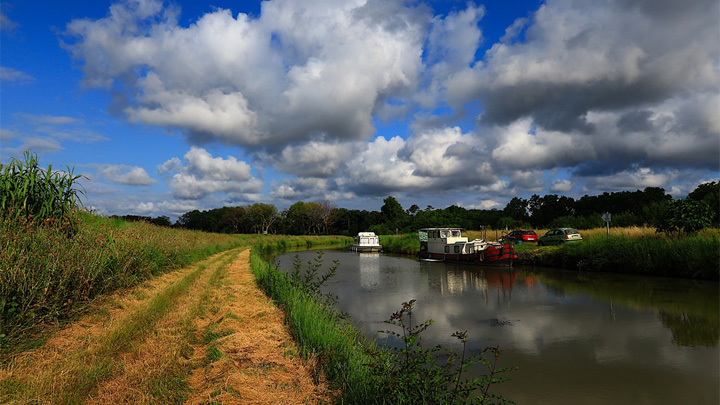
(366, 242)
(448, 244)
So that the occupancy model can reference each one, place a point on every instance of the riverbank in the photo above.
(201, 334)
(365, 372)
(50, 273)
(628, 250)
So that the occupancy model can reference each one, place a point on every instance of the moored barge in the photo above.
(448, 245)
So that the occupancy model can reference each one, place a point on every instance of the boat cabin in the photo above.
(366, 242)
(448, 241)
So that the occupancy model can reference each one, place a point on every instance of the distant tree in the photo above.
(161, 221)
(297, 219)
(191, 220)
(326, 209)
(393, 213)
(234, 218)
(544, 210)
(517, 209)
(315, 217)
(262, 216)
(710, 194)
(685, 217)
(413, 209)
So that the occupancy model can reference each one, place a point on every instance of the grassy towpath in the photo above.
(203, 334)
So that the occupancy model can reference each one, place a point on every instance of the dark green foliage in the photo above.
(545, 209)
(710, 194)
(393, 211)
(517, 208)
(685, 217)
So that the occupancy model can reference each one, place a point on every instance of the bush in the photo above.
(686, 217)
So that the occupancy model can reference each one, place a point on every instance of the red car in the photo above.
(522, 236)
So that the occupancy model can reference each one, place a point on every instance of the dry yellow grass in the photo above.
(259, 363)
(220, 340)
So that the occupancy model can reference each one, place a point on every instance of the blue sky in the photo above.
(173, 106)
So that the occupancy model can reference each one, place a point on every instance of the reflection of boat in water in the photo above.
(366, 242)
(448, 244)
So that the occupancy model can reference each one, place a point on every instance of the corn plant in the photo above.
(28, 191)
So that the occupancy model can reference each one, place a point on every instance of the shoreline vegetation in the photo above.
(362, 371)
(631, 250)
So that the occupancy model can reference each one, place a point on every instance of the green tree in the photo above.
(710, 194)
(393, 213)
(262, 216)
(326, 209)
(517, 209)
(234, 217)
(686, 217)
(297, 219)
(413, 210)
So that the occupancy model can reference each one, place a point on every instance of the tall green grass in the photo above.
(47, 273)
(408, 243)
(690, 257)
(322, 334)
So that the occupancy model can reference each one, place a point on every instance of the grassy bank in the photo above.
(49, 272)
(363, 372)
(321, 333)
(634, 250)
(690, 257)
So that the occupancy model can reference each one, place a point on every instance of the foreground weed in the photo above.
(310, 280)
(413, 374)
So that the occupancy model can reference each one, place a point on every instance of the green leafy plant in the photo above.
(414, 374)
(686, 217)
(310, 280)
(28, 191)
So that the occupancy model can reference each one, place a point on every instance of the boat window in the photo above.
(443, 234)
(456, 234)
(457, 249)
(447, 249)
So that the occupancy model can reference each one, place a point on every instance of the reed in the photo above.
(28, 191)
(404, 244)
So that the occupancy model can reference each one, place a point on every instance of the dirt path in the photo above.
(203, 334)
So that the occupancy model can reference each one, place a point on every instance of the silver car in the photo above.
(559, 236)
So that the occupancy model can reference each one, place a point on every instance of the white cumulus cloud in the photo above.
(200, 174)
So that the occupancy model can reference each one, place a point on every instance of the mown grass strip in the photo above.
(74, 379)
(169, 384)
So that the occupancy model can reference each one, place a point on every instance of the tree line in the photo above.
(649, 207)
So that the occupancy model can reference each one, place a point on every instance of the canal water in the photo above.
(576, 338)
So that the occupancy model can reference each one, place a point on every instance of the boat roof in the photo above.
(440, 229)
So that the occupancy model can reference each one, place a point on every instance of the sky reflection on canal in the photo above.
(577, 338)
